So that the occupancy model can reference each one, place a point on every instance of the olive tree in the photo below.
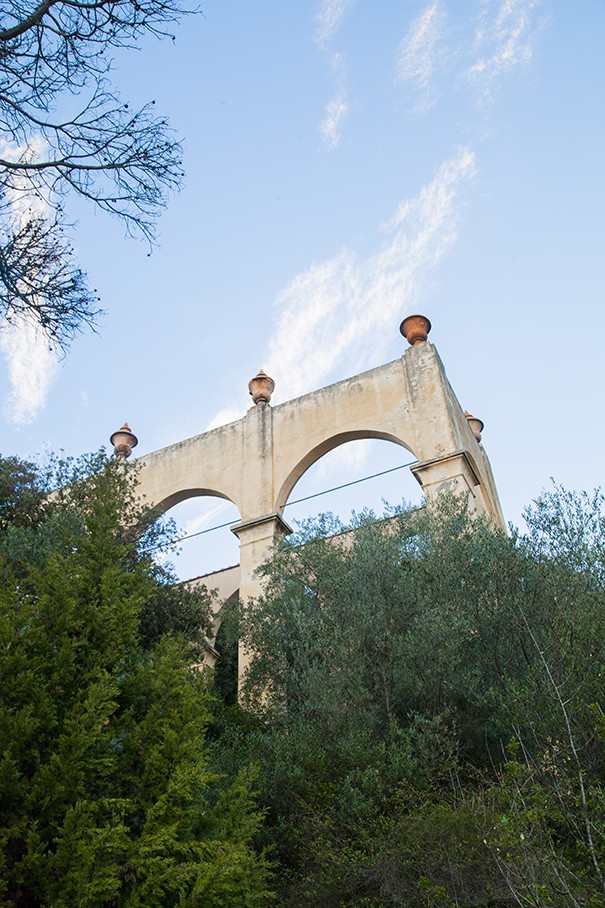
(429, 693)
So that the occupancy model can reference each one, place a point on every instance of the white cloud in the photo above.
(226, 415)
(22, 200)
(32, 367)
(421, 53)
(206, 519)
(194, 516)
(329, 19)
(31, 360)
(336, 111)
(503, 40)
(346, 459)
(341, 313)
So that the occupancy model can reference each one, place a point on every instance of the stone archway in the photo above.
(181, 495)
(256, 460)
(328, 445)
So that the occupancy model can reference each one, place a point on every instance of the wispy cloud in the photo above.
(421, 53)
(503, 40)
(209, 516)
(31, 360)
(349, 458)
(329, 19)
(207, 513)
(335, 112)
(226, 415)
(339, 314)
(32, 367)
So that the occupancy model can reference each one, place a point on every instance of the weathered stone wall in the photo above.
(256, 461)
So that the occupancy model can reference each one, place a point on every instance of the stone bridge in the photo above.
(256, 461)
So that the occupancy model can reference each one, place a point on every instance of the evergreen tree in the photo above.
(106, 793)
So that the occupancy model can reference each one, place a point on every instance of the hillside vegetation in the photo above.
(428, 698)
(422, 724)
(107, 796)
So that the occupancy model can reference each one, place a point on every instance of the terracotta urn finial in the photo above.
(415, 329)
(123, 441)
(476, 425)
(261, 388)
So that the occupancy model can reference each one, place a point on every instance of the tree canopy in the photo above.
(423, 712)
(66, 130)
(107, 796)
(429, 700)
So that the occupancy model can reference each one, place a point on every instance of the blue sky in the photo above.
(349, 162)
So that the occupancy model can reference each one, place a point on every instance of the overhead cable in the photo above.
(288, 504)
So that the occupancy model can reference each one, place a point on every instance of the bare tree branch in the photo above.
(38, 277)
(124, 162)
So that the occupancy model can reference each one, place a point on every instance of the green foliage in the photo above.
(106, 793)
(226, 668)
(394, 669)
(20, 493)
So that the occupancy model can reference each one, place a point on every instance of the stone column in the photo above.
(452, 473)
(256, 537)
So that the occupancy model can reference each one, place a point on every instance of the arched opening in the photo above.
(353, 475)
(202, 520)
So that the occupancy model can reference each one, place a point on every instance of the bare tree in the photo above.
(55, 58)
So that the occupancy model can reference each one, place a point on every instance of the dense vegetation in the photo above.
(106, 792)
(429, 700)
(423, 717)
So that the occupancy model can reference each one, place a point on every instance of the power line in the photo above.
(344, 485)
(353, 482)
(219, 526)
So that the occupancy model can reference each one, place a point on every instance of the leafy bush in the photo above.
(429, 693)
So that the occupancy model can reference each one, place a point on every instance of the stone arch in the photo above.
(205, 465)
(323, 448)
(181, 495)
(197, 512)
(224, 587)
(256, 460)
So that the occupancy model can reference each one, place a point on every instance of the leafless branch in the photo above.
(124, 162)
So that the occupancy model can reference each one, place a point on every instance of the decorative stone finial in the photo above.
(476, 425)
(123, 441)
(261, 388)
(415, 329)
